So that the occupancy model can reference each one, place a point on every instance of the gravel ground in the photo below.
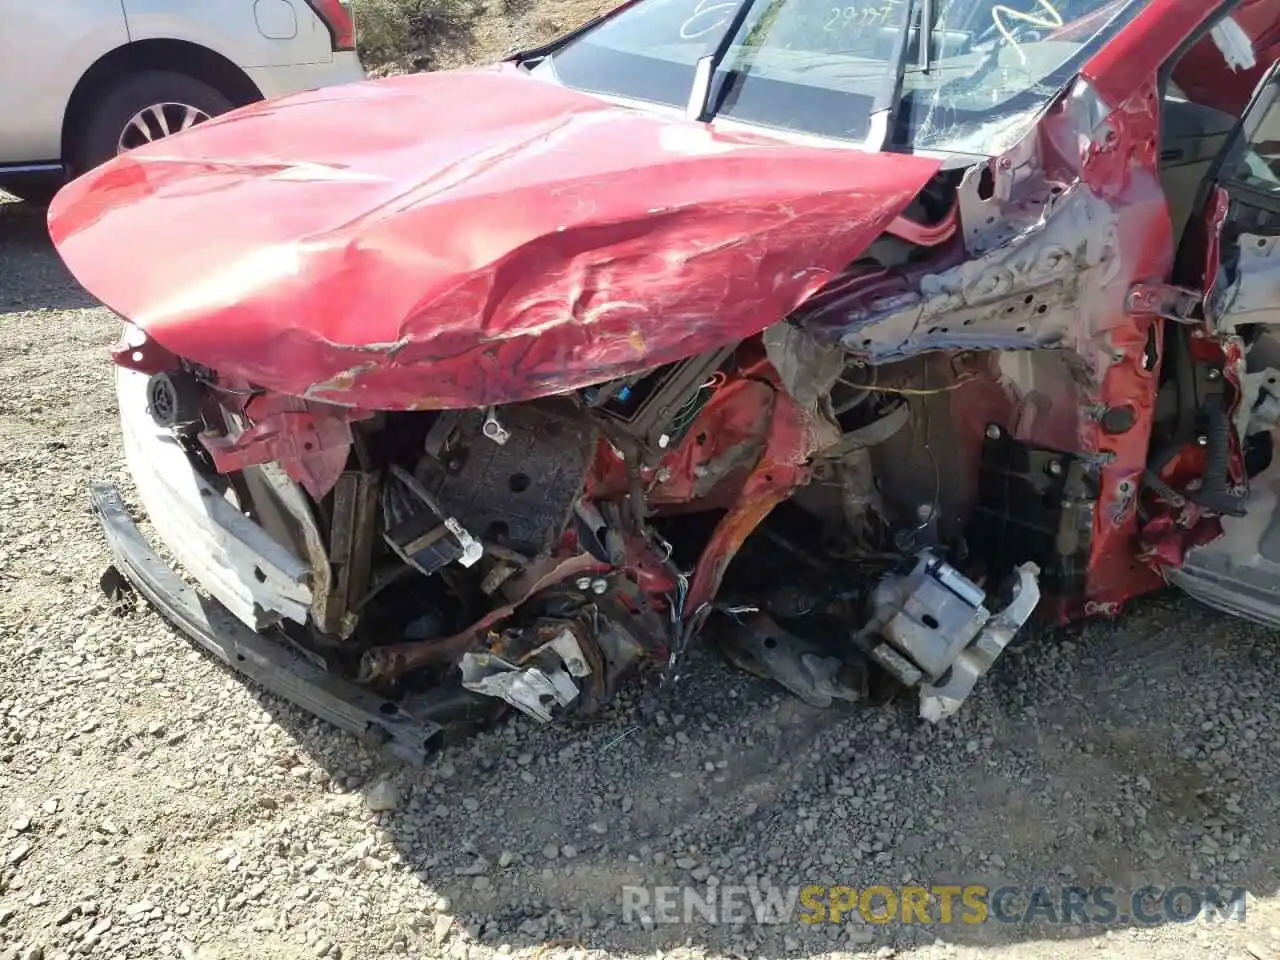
(154, 805)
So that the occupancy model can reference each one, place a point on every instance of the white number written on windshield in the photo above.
(854, 17)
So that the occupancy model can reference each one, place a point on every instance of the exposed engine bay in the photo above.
(870, 496)
(498, 425)
(535, 555)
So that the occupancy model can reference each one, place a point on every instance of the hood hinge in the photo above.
(1180, 304)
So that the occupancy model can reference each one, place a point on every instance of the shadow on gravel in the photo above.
(31, 275)
(1119, 755)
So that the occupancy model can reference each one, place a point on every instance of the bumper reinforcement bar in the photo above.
(273, 666)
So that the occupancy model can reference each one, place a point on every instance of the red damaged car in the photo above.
(848, 335)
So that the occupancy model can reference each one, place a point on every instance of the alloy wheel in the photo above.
(157, 122)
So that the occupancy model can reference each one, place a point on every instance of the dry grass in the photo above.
(403, 36)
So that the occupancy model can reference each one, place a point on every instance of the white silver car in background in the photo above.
(82, 80)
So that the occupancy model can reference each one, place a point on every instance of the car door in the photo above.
(1241, 219)
(45, 48)
(250, 33)
(1229, 264)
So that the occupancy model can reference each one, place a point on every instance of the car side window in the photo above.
(1205, 93)
(1256, 162)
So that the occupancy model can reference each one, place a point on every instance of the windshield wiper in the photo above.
(884, 109)
(925, 34)
(704, 70)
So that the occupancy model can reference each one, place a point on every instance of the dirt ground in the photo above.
(154, 805)
(407, 35)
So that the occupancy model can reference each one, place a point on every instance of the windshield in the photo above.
(817, 66)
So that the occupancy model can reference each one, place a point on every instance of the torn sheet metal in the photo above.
(1039, 273)
(310, 440)
(807, 368)
(546, 676)
(529, 690)
(1250, 292)
(1240, 572)
(783, 466)
(1056, 232)
(485, 238)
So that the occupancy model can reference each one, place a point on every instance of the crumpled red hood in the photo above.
(464, 238)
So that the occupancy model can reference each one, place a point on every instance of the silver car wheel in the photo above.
(157, 122)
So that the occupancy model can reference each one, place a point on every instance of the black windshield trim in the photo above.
(886, 102)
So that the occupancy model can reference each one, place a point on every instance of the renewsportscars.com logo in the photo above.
(937, 904)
